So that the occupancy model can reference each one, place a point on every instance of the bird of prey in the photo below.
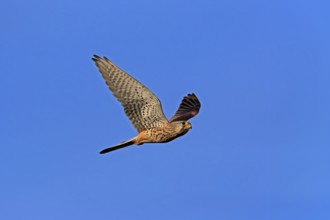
(144, 109)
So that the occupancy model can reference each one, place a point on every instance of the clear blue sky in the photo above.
(258, 150)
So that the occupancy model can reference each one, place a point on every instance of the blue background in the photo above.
(259, 149)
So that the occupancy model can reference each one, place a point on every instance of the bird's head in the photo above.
(181, 127)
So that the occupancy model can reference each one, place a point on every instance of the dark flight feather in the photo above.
(188, 108)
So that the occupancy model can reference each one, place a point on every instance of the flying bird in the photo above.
(144, 109)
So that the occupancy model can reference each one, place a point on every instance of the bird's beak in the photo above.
(188, 126)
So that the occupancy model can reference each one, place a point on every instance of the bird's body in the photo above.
(166, 133)
(144, 109)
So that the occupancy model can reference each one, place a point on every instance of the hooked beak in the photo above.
(188, 126)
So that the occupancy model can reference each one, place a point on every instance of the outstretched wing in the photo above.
(141, 106)
(188, 108)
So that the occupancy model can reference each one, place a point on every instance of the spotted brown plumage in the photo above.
(144, 109)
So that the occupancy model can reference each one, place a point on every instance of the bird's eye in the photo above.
(183, 123)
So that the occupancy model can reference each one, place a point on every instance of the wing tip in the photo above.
(189, 107)
(96, 57)
(104, 59)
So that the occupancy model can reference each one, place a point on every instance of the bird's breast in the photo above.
(156, 135)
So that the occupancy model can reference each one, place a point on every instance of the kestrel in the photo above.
(144, 109)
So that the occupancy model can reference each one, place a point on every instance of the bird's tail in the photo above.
(119, 146)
